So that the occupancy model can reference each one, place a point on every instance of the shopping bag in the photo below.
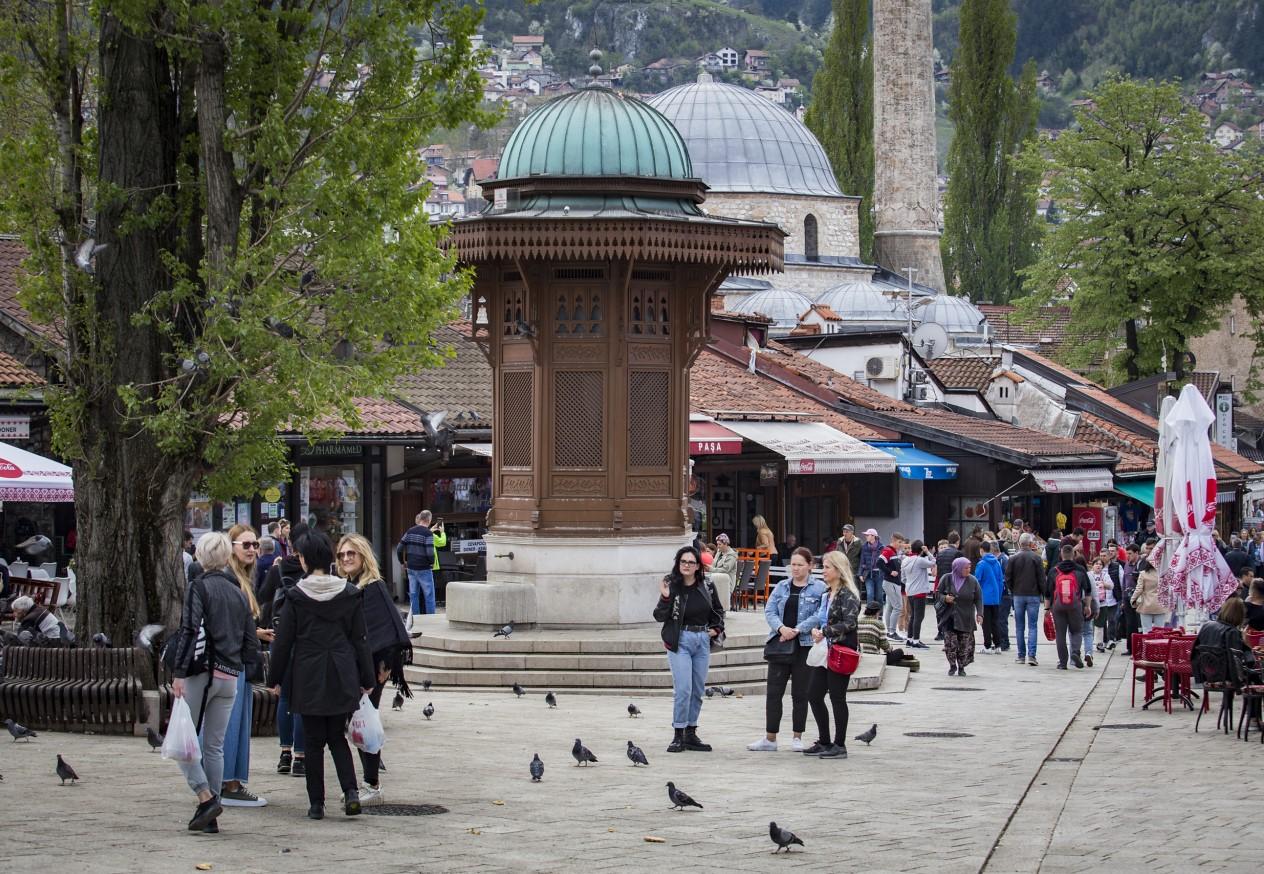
(1049, 635)
(181, 743)
(818, 654)
(365, 729)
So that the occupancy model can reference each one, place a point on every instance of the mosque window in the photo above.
(810, 250)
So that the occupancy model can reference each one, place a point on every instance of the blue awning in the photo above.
(913, 463)
(1138, 489)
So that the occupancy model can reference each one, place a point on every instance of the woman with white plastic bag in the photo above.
(322, 640)
(181, 743)
(838, 619)
(214, 642)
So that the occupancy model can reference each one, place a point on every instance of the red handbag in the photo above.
(1049, 635)
(843, 659)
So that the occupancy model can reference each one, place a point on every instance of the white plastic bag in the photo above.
(181, 743)
(365, 729)
(818, 654)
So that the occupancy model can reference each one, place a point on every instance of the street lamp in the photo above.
(908, 351)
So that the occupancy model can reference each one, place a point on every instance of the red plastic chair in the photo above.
(1179, 671)
(1253, 638)
(1149, 661)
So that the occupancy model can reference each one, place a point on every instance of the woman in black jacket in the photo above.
(321, 637)
(692, 618)
(840, 612)
(388, 640)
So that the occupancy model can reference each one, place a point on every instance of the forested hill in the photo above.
(1163, 39)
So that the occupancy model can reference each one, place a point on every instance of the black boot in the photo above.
(693, 742)
(678, 742)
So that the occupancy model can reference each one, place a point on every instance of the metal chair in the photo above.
(744, 589)
(1221, 673)
(1149, 659)
(1179, 671)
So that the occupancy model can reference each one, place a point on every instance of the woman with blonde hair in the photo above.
(241, 563)
(839, 617)
(388, 640)
(764, 538)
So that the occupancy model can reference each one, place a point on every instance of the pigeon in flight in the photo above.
(101, 640)
(146, 637)
(633, 711)
(782, 837)
(398, 703)
(428, 711)
(868, 736)
(636, 755)
(582, 754)
(537, 769)
(65, 772)
(679, 799)
(518, 690)
(551, 700)
(154, 738)
(19, 731)
(505, 631)
(426, 684)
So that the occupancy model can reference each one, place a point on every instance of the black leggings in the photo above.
(327, 731)
(798, 674)
(917, 611)
(371, 762)
(991, 622)
(824, 680)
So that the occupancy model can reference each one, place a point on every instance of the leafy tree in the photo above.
(841, 111)
(1159, 230)
(989, 210)
(221, 205)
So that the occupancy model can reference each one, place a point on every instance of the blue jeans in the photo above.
(689, 665)
(237, 734)
(289, 725)
(1026, 618)
(419, 583)
(873, 587)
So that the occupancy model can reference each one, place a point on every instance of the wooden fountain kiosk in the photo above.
(594, 267)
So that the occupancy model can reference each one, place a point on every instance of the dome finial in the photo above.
(595, 70)
(705, 78)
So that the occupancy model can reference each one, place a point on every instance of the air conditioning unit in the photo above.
(923, 392)
(882, 367)
(919, 376)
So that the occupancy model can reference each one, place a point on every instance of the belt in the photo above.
(694, 628)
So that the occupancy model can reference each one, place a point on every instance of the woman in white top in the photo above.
(915, 573)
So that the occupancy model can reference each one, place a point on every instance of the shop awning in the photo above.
(914, 463)
(814, 447)
(711, 438)
(483, 449)
(1138, 489)
(1074, 479)
(25, 476)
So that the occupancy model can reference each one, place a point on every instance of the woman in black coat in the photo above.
(322, 638)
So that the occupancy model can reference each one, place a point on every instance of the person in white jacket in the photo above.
(915, 572)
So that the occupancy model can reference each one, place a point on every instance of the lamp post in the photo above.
(908, 351)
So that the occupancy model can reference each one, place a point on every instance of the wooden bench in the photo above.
(75, 689)
(264, 722)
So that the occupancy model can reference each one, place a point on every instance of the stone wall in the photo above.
(1230, 350)
(904, 194)
(837, 218)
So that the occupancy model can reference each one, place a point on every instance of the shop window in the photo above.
(329, 497)
(461, 494)
(874, 495)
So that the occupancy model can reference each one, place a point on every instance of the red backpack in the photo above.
(1066, 588)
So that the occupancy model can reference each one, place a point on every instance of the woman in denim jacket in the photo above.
(792, 613)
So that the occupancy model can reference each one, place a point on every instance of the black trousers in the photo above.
(371, 762)
(991, 619)
(798, 674)
(917, 612)
(1067, 619)
(327, 731)
(826, 681)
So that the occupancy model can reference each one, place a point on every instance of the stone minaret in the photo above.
(906, 232)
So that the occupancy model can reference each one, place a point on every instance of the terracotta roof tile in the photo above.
(1137, 454)
(990, 431)
(462, 387)
(380, 418)
(14, 374)
(1066, 372)
(964, 371)
(1206, 381)
(1007, 326)
(12, 254)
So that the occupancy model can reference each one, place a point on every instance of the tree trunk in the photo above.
(1132, 347)
(129, 493)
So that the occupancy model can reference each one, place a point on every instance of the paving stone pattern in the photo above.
(903, 805)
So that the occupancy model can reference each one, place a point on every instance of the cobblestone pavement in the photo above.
(906, 804)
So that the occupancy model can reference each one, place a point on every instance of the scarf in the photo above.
(960, 570)
(322, 587)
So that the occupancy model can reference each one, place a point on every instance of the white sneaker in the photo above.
(797, 744)
(369, 795)
(763, 745)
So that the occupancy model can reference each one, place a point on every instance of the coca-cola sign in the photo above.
(9, 470)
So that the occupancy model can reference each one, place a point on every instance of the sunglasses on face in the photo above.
(348, 554)
(247, 544)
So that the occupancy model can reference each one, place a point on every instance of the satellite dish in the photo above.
(930, 340)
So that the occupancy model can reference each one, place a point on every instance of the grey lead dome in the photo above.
(741, 142)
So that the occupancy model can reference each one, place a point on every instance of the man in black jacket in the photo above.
(1024, 575)
(1069, 608)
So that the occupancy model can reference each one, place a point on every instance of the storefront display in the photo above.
(461, 495)
(329, 498)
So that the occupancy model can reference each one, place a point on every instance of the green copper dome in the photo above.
(595, 132)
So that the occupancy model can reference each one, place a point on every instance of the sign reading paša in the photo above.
(15, 427)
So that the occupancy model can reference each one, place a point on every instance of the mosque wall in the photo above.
(837, 218)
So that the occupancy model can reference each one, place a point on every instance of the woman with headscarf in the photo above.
(960, 602)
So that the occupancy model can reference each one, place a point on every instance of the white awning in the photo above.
(814, 447)
(27, 477)
(1075, 479)
(483, 449)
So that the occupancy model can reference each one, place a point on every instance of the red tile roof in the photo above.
(1137, 454)
(1067, 373)
(1008, 326)
(12, 254)
(14, 374)
(379, 418)
(1206, 381)
(958, 372)
(462, 387)
(827, 377)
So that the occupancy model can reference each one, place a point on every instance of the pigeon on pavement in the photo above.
(426, 684)
(782, 837)
(633, 711)
(582, 754)
(65, 772)
(428, 711)
(867, 736)
(550, 699)
(710, 691)
(679, 799)
(637, 755)
(398, 703)
(154, 738)
(518, 690)
(504, 631)
(537, 769)
(101, 640)
(19, 731)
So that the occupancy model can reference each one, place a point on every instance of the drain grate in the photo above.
(1125, 725)
(937, 734)
(404, 810)
(881, 703)
(1064, 759)
(957, 689)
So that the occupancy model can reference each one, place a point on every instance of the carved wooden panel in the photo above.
(579, 486)
(647, 353)
(578, 418)
(579, 353)
(649, 396)
(517, 353)
(516, 485)
(648, 486)
(515, 421)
